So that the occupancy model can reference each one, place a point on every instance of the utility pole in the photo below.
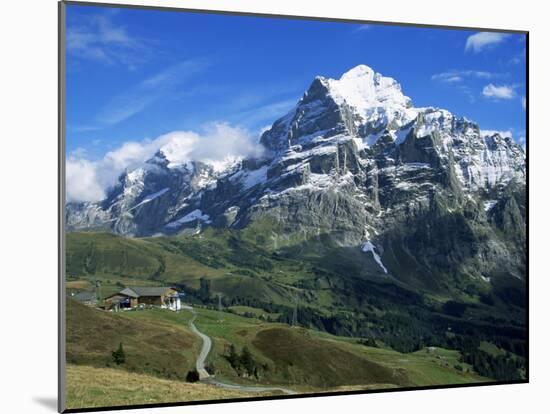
(97, 290)
(220, 308)
(295, 312)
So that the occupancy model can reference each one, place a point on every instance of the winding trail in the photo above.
(204, 376)
(205, 350)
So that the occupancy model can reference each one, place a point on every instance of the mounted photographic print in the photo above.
(260, 207)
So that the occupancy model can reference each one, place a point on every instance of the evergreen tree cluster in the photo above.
(244, 362)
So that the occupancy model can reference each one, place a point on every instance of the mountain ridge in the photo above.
(355, 160)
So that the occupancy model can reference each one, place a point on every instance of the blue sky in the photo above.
(134, 74)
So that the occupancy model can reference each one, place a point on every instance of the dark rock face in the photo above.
(440, 201)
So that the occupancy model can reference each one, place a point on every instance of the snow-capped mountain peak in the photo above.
(353, 145)
(360, 103)
(377, 100)
(364, 89)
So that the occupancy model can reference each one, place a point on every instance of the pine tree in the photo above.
(204, 289)
(118, 356)
(247, 361)
(233, 357)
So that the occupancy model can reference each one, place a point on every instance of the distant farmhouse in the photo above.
(128, 298)
(87, 298)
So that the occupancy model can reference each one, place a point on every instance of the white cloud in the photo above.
(454, 76)
(220, 140)
(363, 28)
(265, 113)
(524, 103)
(89, 180)
(459, 79)
(482, 40)
(498, 92)
(98, 38)
(82, 180)
(123, 106)
(137, 98)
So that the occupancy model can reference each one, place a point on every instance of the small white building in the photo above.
(132, 297)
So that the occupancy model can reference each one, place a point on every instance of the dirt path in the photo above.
(205, 349)
(207, 378)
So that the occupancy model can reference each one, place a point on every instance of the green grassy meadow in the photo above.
(89, 387)
(354, 331)
(158, 348)
(313, 361)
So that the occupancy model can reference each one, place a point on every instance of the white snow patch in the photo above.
(315, 151)
(252, 178)
(369, 247)
(319, 182)
(151, 197)
(194, 215)
(401, 135)
(205, 179)
(488, 205)
(371, 139)
(377, 99)
(425, 130)
(416, 165)
(403, 185)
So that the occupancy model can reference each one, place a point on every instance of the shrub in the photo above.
(368, 342)
(210, 368)
(192, 376)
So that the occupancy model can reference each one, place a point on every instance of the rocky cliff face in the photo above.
(422, 196)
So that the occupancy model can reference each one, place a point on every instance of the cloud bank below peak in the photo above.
(216, 144)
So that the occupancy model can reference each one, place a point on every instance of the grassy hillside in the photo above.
(161, 348)
(299, 357)
(334, 292)
(89, 387)
(105, 255)
(310, 361)
(247, 263)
